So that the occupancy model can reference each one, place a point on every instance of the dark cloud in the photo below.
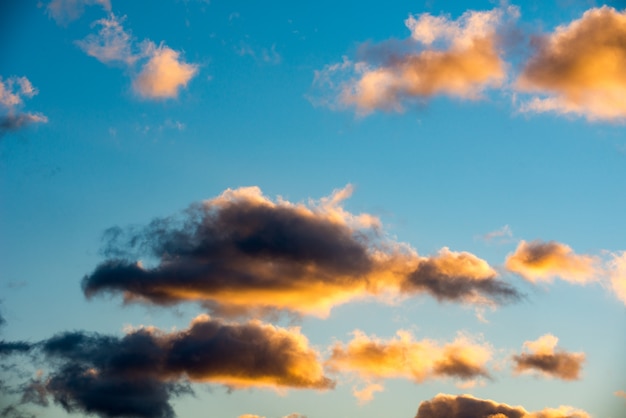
(562, 365)
(243, 252)
(17, 121)
(13, 347)
(467, 406)
(137, 375)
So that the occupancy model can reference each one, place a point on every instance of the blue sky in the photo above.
(422, 200)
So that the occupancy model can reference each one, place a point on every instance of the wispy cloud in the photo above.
(458, 58)
(617, 275)
(460, 406)
(546, 359)
(242, 253)
(578, 69)
(374, 359)
(543, 261)
(13, 90)
(501, 235)
(66, 11)
(162, 71)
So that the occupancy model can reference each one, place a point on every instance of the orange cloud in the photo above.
(579, 67)
(460, 406)
(164, 74)
(543, 358)
(373, 359)
(458, 58)
(13, 90)
(542, 261)
(242, 253)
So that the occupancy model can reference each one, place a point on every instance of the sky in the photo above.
(288, 210)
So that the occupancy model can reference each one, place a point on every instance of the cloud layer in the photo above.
(98, 374)
(580, 68)
(242, 252)
(543, 357)
(465, 406)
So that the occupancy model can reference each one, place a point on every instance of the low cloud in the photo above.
(543, 261)
(137, 374)
(544, 358)
(243, 253)
(66, 11)
(162, 72)
(458, 58)
(462, 406)
(13, 90)
(578, 69)
(374, 359)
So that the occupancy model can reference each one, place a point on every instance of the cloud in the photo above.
(543, 358)
(12, 347)
(502, 235)
(458, 58)
(13, 90)
(620, 394)
(137, 374)
(578, 69)
(162, 74)
(542, 261)
(617, 275)
(242, 253)
(112, 44)
(461, 406)
(66, 11)
(374, 359)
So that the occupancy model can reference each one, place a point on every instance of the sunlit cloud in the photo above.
(539, 261)
(617, 275)
(164, 74)
(578, 69)
(402, 357)
(458, 58)
(136, 375)
(162, 71)
(620, 394)
(66, 11)
(545, 358)
(242, 253)
(461, 406)
(13, 90)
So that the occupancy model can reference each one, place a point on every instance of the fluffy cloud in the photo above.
(542, 261)
(580, 68)
(461, 406)
(242, 252)
(136, 375)
(163, 73)
(458, 58)
(65, 11)
(543, 358)
(374, 359)
(13, 90)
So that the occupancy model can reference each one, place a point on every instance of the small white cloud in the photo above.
(164, 74)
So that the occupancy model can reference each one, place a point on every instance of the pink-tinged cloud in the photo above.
(539, 261)
(617, 275)
(374, 359)
(164, 74)
(243, 253)
(467, 406)
(543, 357)
(620, 394)
(66, 11)
(13, 90)
(458, 58)
(579, 68)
